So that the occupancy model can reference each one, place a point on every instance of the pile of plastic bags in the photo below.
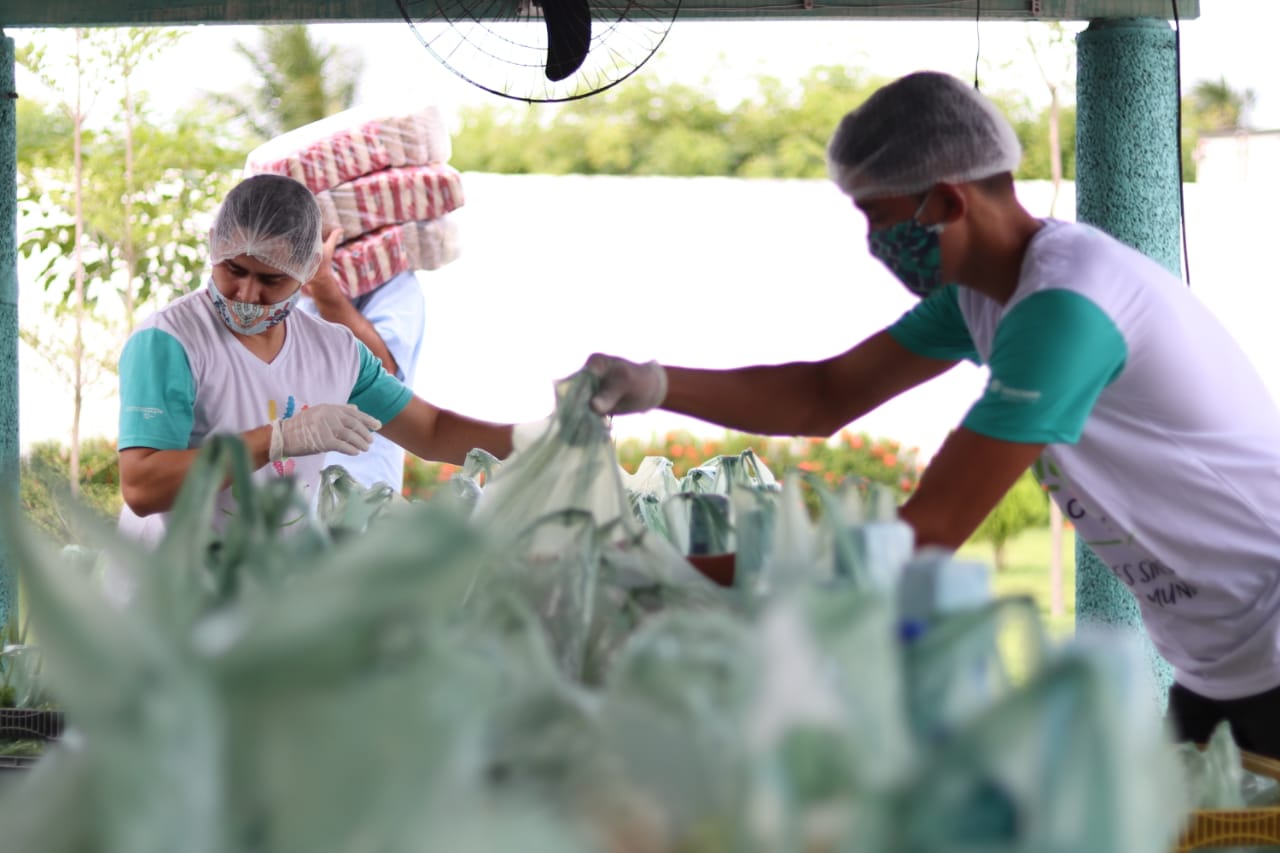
(532, 664)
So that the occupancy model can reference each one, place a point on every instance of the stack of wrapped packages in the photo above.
(381, 176)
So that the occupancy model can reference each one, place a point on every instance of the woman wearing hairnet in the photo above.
(1138, 410)
(235, 358)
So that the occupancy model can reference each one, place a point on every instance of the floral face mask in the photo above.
(911, 252)
(249, 318)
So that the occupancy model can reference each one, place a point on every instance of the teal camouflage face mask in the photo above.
(911, 252)
(249, 318)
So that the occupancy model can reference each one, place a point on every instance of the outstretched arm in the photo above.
(438, 434)
(801, 398)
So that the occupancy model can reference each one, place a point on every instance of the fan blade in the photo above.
(568, 36)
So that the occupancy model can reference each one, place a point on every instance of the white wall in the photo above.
(704, 272)
(1240, 159)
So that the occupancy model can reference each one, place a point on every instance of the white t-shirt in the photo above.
(397, 311)
(184, 377)
(1163, 441)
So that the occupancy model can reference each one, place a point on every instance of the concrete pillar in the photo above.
(1127, 185)
(8, 309)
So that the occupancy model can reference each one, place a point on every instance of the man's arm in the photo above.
(801, 398)
(335, 307)
(963, 483)
(439, 434)
(150, 479)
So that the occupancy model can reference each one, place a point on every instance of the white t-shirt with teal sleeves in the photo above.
(1163, 441)
(185, 377)
(397, 311)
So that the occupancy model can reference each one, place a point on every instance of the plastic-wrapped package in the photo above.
(800, 551)
(880, 544)
(956, 669)
(699, 523)
(391, 196)
(934, 583)
(647, 489)
(371, 260)
(673, 719)
(572, 544)
(1215, 775)
(467, 484)
(1069, 761)
(571, 466)
(827, 728)
(838, 543)
(346, 507)
(719, 474)
(354, 142)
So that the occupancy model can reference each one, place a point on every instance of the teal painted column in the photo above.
(8, 308)
(1127, 185)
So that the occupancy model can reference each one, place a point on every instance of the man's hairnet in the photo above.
(273, 219)
(917, 131)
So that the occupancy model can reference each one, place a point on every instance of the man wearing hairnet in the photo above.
(1137, 409)
(234, 357)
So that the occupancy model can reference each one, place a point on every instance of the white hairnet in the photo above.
(917, 131)
(273, 219)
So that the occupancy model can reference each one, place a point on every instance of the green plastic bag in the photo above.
(673, 720)
(961, 663)
(467, 484)
(1077, 759)
(648, 488)
(346, 507)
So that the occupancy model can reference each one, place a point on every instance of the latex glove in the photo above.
(322, 428)
(625, 386)
(525, 434)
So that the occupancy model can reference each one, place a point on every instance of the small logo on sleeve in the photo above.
(1011, 394)
(147, 412)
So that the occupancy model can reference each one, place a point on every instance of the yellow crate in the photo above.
(1236, 827)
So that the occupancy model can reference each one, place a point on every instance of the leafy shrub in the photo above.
(44, 484)
(1024, 506)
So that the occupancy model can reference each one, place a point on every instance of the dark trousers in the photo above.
(1255, 720)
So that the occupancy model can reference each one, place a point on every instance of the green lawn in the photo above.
(1027, 573)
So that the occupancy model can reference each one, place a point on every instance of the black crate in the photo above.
(10, 763)
(30, 724)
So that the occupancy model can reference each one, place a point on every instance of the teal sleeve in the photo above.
(157, 392)
(1053, 354)
(377, 392)
(936, 329)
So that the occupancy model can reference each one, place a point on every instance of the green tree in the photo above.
(109, 199)
(301, 80)
(1024, 506)
(45, 469)
(1216, 105)
(648, 127)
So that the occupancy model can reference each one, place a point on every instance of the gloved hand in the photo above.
(625, 386)
(321, 428)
